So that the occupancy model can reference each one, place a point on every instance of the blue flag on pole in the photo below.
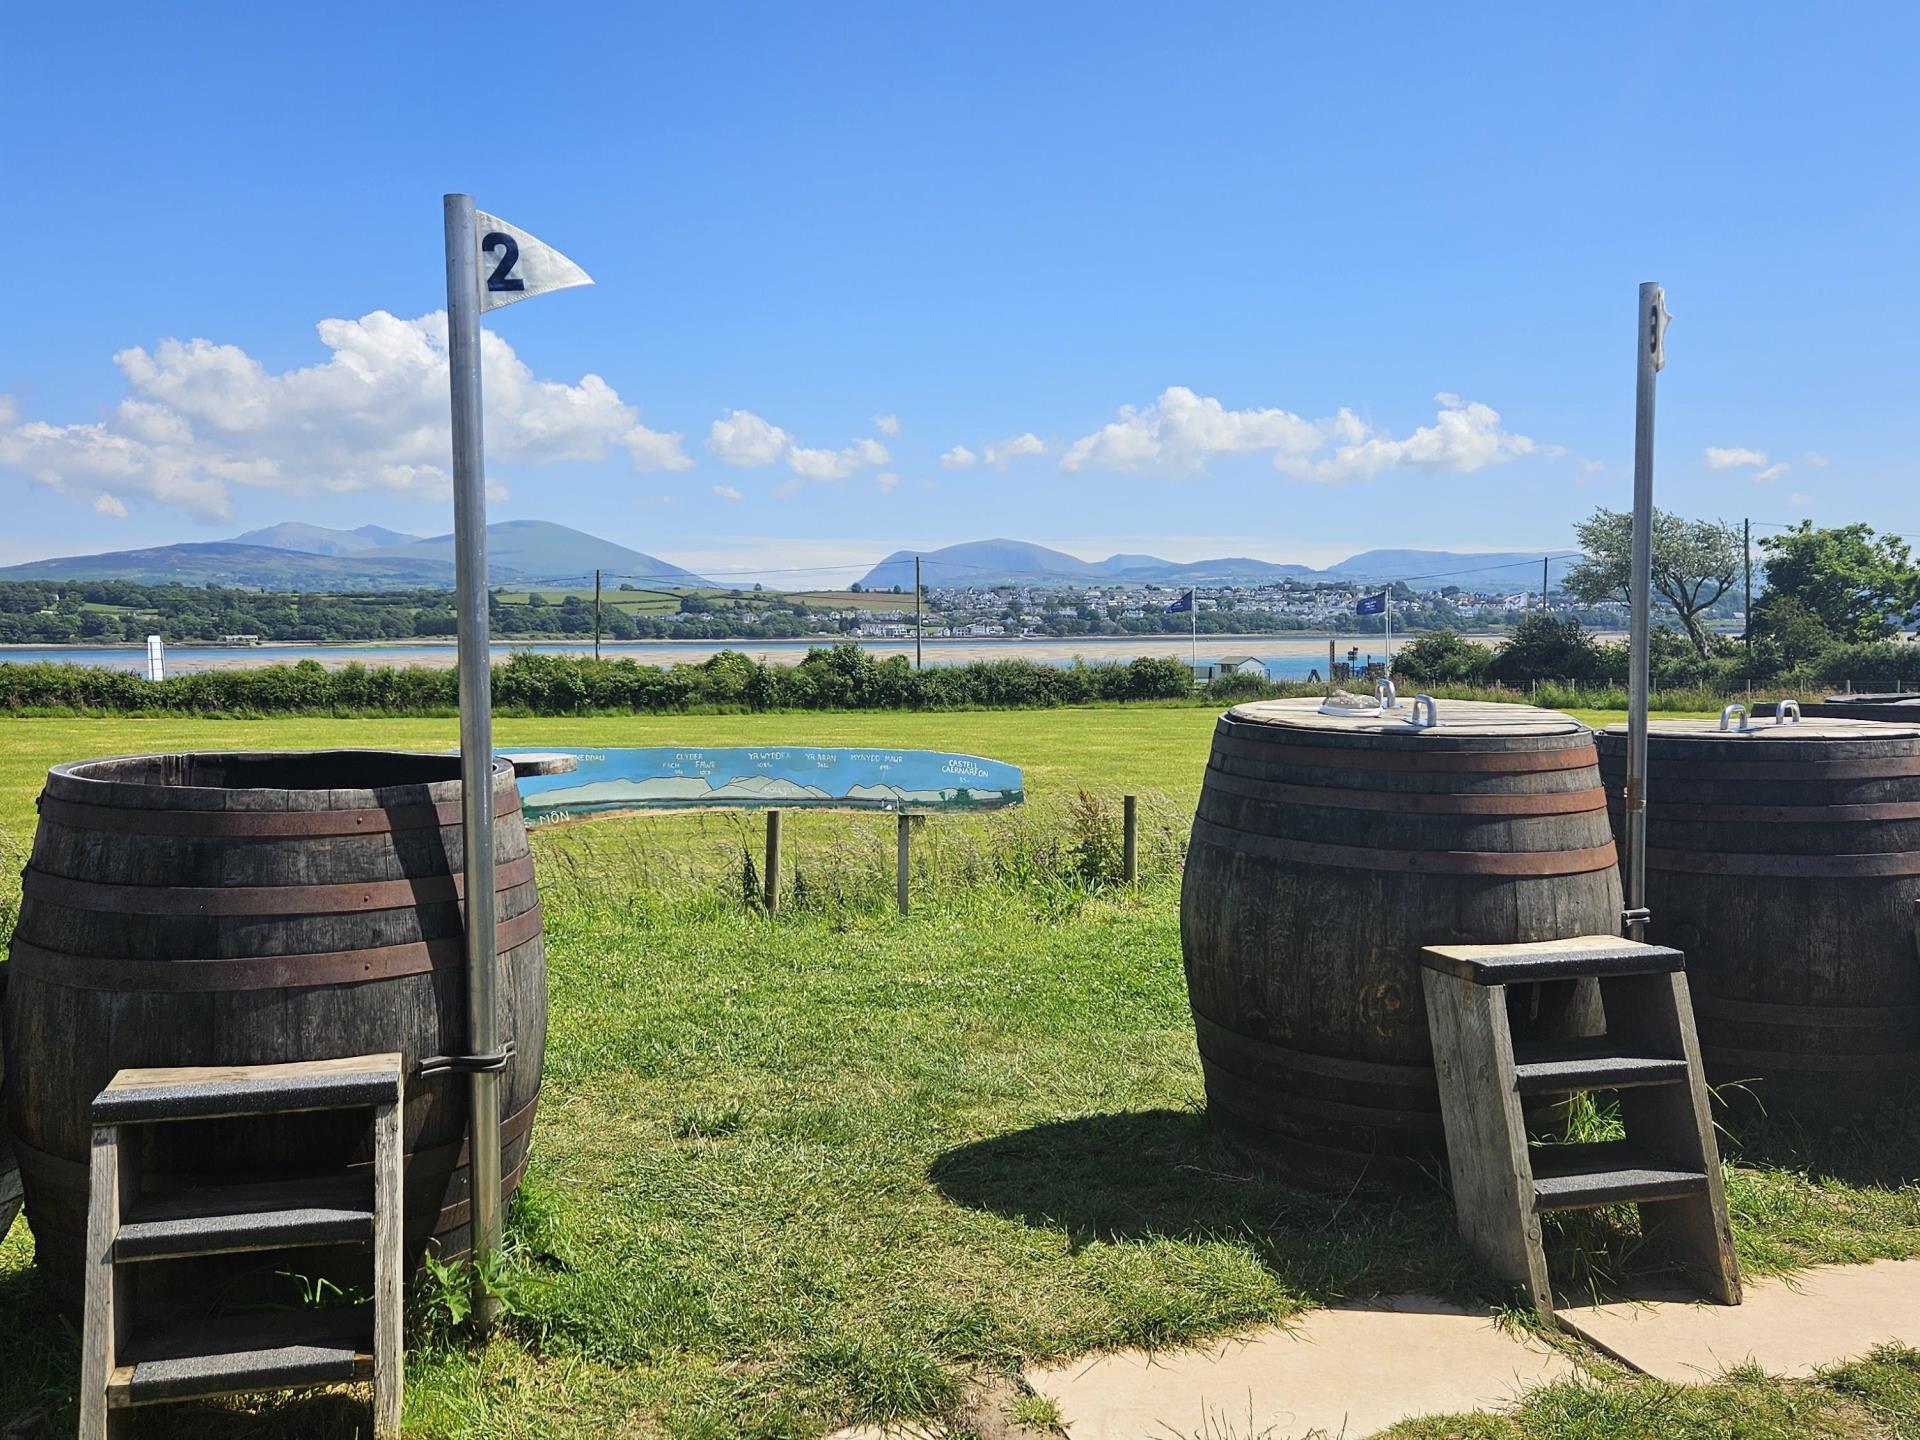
(1181, 606)
(1372, 604)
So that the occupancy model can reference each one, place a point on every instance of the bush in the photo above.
(1441, 657)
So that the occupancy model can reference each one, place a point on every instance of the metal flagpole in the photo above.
(1193, 631)
(1386, 615)
(1651, 356)
(476, 731)
(919, 624)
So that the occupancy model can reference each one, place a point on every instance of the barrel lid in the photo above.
(1766, 731)
(1457, 718)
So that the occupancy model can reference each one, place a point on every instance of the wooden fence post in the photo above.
(902, 847)
(770, 880)
(1130, 842)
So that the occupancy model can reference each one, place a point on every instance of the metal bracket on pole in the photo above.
(476, 733)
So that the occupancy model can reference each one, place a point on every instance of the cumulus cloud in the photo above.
(1732, 457)
(743, 438)
(959, 458)
(835, 464)
(886, 480)
(1181, 431)
(203, 418)
(1772, 473)
(106, 504)
(887, 424)
(9, 410)
(728, 493)
(1020, 446)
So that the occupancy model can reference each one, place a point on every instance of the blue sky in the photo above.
(1196, 275)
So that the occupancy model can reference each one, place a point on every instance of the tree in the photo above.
(1694, 564)
(1860, 586)
(1545, 648)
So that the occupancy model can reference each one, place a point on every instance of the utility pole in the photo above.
(919, 625)
(1543, 584)
(1650, 331)
(1746, 555)
(596, 613)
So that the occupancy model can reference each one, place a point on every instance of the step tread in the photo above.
(206, 1092)
(1608, 1172)
(236, 1354)
(1580, 957)
(270, 1215)
(1601, 1062)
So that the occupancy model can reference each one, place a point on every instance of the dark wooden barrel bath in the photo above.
(1785, 860)
(247, 908)
(1327, 850)
(9, 1170)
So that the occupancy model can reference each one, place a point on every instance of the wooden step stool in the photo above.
(1669, 1164)
(260, 1350)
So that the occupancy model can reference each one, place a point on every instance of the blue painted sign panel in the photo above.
(671, 777)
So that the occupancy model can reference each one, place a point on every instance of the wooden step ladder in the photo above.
(1669, 1164)
(121, 1367)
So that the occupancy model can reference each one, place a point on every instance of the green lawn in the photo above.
(794, 1173)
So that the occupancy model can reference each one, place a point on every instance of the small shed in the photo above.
(1243, 665)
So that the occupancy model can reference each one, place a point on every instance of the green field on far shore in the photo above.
(795, 1173)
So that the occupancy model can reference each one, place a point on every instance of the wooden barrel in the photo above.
(1785, 860)
(1327, 850)
(248, 908)
(9, 1169)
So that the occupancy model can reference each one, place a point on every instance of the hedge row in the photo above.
(844, 677)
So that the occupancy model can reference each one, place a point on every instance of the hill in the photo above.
(527, 552)
(539, 551)
(247, 567)
(320, 540)
(1014, 562)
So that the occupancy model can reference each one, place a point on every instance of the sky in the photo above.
(1288, 282)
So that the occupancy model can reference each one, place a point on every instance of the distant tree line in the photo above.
(1834, 610)
(843, 677)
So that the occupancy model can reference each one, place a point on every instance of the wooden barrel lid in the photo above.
(1814, 728)
(1458, 718)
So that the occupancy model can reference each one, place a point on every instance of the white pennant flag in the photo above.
(515, 266)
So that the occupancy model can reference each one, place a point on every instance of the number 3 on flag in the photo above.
(514, 265)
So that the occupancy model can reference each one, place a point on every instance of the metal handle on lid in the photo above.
(1727, 715)
(1432, 708)
(1388, 697)
(1784, 709)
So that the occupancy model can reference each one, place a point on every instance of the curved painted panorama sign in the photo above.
(669, 777)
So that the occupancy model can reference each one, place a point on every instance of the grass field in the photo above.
(634, 602)
(839, 1166)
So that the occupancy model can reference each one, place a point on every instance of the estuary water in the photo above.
(1287, 657)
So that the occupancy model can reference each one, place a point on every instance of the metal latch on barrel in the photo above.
(492, 1063)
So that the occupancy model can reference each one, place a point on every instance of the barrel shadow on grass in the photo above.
(1155, 1175)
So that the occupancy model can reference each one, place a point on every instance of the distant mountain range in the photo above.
(295, 556)
(312, 557)
(1004, 562)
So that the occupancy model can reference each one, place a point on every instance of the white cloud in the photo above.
(1801, 500)
(1592, 467)
(728, 493)
(106, 504)
(959, 458)
(9, 409)
(887, 424)
(1465, 436)
(1020, 446)
(886, 480)
(741, 437)
(1181, 431)
(836, 464)
(1732, 457)
(788, 487)
(372, 416)
(1816, 459)
(1772, 473)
